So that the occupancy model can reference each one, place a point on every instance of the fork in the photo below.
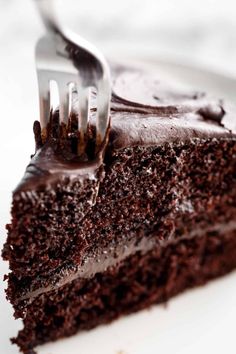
(66, 58)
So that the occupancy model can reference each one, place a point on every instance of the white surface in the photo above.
(200, 321)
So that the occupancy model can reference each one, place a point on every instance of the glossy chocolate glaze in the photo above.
(144, 112)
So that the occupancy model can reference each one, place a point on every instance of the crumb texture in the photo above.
(168, 191)
(139, 281)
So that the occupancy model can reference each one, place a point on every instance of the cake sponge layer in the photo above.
(140, 281)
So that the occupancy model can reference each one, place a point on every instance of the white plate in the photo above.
(199, 321)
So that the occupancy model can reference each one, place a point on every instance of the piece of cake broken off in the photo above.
(90, 241)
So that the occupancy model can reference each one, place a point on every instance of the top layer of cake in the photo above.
(144, 112)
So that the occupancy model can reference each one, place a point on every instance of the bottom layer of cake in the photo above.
(140, 281)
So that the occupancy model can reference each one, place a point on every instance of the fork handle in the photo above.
(47, 14)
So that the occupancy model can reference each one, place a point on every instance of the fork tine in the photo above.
(83, 96)
(63, 90)
(44, 100)
(64, 58)
(102, 118)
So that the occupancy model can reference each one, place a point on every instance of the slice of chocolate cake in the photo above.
(150, 216)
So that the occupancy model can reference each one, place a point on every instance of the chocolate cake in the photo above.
(152, 214)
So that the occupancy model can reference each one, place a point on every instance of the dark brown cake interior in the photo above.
(139, 281)
(151, 208)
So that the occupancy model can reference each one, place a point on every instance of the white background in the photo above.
(200, 32)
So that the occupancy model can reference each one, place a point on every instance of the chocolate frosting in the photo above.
(102, 260)
(160, 113)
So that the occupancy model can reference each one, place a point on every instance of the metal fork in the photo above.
(66, 58)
